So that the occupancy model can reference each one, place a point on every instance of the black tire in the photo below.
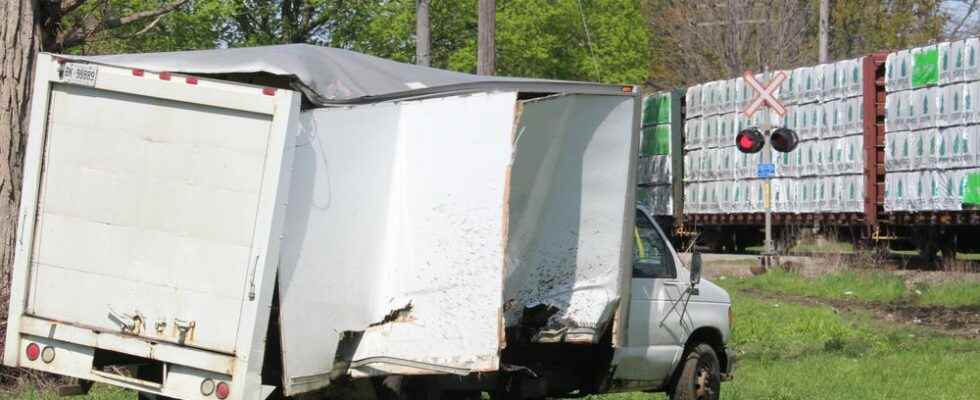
(700, 375)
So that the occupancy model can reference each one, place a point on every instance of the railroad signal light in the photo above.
(784, 140)
(750, 140)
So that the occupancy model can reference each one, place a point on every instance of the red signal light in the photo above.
(750, 140)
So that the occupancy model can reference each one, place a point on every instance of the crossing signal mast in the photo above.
(755, 139)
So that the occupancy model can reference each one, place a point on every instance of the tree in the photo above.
(594, 40)
(696, 41)
(29, 27)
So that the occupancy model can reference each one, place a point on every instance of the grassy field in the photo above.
(811, 351)
(862, 285)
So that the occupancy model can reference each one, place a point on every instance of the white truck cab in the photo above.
(679, 324)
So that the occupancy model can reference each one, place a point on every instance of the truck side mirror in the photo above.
(695, 268)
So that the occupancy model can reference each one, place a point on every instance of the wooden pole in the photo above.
(423, 34)
(486, 56)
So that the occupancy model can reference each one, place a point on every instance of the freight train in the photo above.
(889, 155)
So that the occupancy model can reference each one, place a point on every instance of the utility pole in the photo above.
(423, 34)
(486, 55)
(824, 34)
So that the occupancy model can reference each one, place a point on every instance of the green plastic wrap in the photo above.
(925, 68)
(971, 193)
(656, 140)
(656, 109)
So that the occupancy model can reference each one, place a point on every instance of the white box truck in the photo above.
(268, 222)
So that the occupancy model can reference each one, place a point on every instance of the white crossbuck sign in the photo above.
(765, 94)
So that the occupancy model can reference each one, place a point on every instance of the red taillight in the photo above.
(191, 80)
(33, 351)
(222, 391)
(137, 72)
(269, 91)
(165, 76)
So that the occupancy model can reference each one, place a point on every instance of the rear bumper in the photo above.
(729, 372)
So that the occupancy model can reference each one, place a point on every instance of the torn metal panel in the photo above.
(395, 234)
(567, 216)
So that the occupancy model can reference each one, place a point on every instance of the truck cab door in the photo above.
(657, 328)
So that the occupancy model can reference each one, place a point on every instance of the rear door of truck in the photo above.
(152, 206)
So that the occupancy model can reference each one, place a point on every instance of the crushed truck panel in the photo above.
(394, 246)
(568, 216)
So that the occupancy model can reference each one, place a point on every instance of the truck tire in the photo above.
(700, 375)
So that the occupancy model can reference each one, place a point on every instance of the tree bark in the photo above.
(486, 56)
(21, 35)
(423, 34)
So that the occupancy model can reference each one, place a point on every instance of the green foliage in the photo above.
(535, 38)
(197, 25)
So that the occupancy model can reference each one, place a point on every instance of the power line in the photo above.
(588, 38)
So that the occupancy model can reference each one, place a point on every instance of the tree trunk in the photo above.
(21, 35)
(486, 55)
(423, 34)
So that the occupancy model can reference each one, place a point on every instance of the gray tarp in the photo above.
(329, 76)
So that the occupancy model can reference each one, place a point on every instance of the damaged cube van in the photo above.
(267, 222)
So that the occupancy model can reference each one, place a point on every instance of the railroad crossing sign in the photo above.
(765, 94)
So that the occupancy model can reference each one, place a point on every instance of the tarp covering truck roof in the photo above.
(329, 76)
(408, 229)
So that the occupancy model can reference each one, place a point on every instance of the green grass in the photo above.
(861, 285)
(99, 392)
(856, 285)
(954, 294)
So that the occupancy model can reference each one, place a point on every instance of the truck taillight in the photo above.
(222, 391)
(47, 355)
(207, 387)
(33, 351)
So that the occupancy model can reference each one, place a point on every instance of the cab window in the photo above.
(651, 257)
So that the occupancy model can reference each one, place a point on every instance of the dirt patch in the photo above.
(960, 321)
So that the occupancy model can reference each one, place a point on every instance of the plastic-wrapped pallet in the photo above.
(971, 52)
(692, 133)
(965, 147)
(657, 199)
(855, 86)
(692, 99)
(853, 193)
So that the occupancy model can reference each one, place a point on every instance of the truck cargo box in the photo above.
(207, 230)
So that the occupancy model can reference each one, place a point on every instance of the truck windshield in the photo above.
(651, 259)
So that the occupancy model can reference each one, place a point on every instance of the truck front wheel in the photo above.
(700, 375)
